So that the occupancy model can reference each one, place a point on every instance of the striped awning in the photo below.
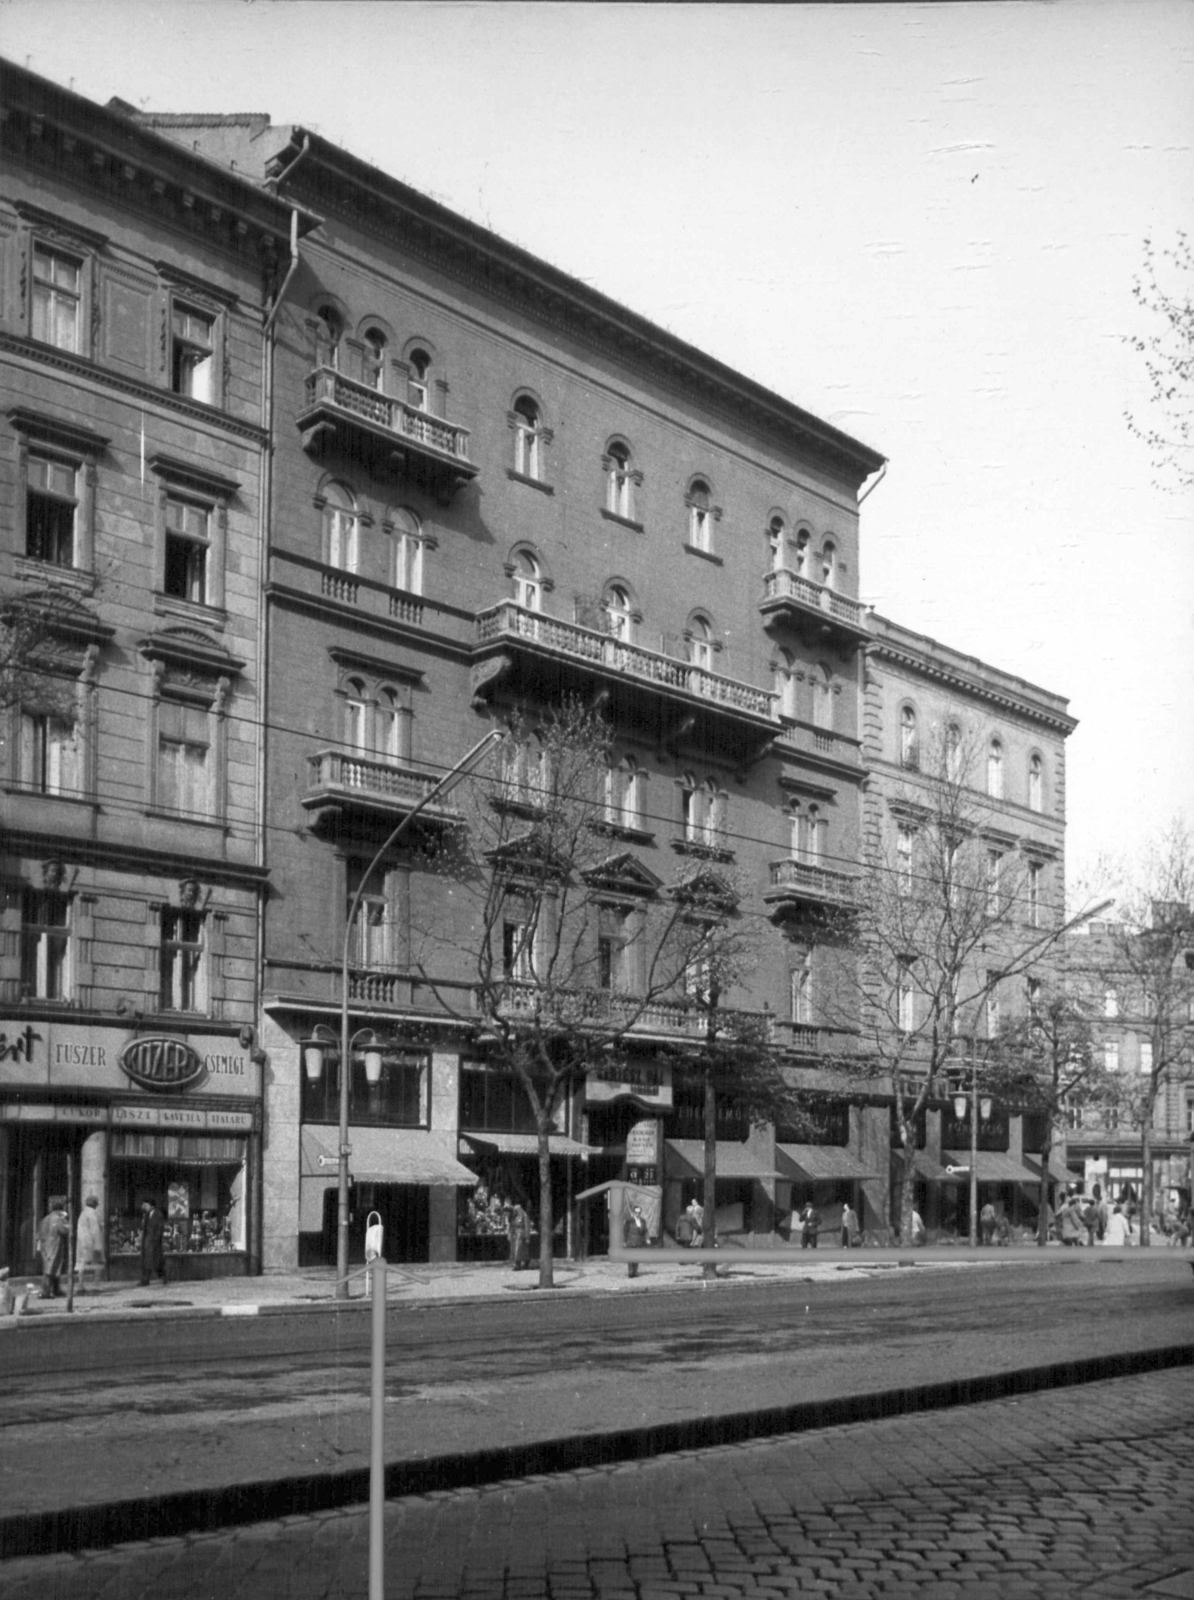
(686, 1159)
(821, 1161)
(384, 1155)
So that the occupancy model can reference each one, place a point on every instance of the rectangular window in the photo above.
(1110, 1003)
(1111, 1055)
(802, 992)
(184, 759)
(188, 540)
(493, 1101)
(517, 963)
(408, 563)
(1035, 876)
(1146, 1057)
(994, 882)
(51, 510)
(904, 857)
(372, 943)
(45, 945)
(993, 1005)
(399, 1099)
(906, 998)
(191, 363)
(57, 298)
(181, 970)
(50, 761)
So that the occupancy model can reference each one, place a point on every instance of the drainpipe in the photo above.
(273, 184)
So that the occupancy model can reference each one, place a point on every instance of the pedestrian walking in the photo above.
(53, 1232)
(810, 1226)
(849, 1226)
(695, 1212)
(89, 1243)
(634, 1236)
(919, 1236)
(1003, 1230)
(519, 1228)
(153, 1245)
(1117, 1229)
(987, 1221)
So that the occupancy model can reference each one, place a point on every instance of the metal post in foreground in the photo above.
(377, 1435)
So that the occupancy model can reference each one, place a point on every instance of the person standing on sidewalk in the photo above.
(89, 1243)
(810, 1226)
(520, 1234)
(634, 1236)
(153, 1248)
(52, 1235)
(849, 1225)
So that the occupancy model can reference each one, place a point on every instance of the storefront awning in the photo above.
(384, 1155)
(1058, 1171)
(994, 1166)
(924, 1166)
(525, 1144)
(686, 1159)
(821, 1161)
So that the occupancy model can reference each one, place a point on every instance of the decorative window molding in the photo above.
(57, 472)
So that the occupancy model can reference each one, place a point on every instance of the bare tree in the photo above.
(1045, 1063)
(569, 942)
(1145, 966)
(1168, 355)
(948, 918)
(36, 666)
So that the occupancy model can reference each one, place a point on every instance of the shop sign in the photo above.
(160, 1063)
(642, 1144)
(645, 1080)
(17, 1112)
(181, 1119)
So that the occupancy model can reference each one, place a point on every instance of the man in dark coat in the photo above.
(153, 1252)
(810, 1226)
(53, 1233)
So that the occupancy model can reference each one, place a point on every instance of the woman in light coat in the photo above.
(1116, 1232)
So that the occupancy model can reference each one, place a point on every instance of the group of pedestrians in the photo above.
(53, 1245)
(1088, 1220)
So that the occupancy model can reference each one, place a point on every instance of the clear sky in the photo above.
(920, 221)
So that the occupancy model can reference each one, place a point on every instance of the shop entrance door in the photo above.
(405, 1212)
(37, 1166)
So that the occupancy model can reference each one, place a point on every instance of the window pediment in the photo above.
(624, 874)
(55, 431)
(706, 892)
(190, 650)
(191, 475)
(378, 666)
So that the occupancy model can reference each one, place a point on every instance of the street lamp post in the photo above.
(347, 1039)
(960, 1108)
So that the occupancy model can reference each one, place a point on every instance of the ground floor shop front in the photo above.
(172, 1120)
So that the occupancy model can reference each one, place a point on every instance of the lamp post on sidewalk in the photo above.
(347, 1038)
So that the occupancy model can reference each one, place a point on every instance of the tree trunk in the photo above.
(546, 1220)
(709, 1190)
(1146, 1172)
(1042, 1214)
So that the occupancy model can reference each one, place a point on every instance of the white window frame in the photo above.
(49, 297)
(183, 963)
(44, 978)
(995, 769)
(1036, 784)
(193, 359)
(195, 548)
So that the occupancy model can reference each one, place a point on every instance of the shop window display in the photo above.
(198, 1182)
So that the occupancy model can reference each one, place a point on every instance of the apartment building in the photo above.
(133, 457)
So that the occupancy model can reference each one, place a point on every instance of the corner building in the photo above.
(133, 442)
(494, 487)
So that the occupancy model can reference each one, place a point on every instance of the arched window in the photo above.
(527, 438)
(822, 698)
(715, 813)
(808, 835)
(418, 383)
(374, 361)
(785, 685)
(408, 552)
(391, 733)
(953, 753)
(528, 581)
(619, 482)
(329, 332)
(829, 564)
(1036, 784)
(776, 543)
(356, 715)
(341, 524)
(800, 552)
(909, 743)
(700, 516)
(632, 793)
(618, 611)
(691, 803)
(700, 644)
(995, 770)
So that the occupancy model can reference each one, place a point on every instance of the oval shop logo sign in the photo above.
(157, 1063)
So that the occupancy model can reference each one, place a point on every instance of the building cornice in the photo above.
(1011, 694)
(339, 182)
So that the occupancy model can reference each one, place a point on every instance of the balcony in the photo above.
(799, 887)
(366, 423)
(529, 636)
(345, 782)
(606, 1012)
(814, 607)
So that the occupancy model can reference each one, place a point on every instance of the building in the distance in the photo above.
(133, 455)
(931, 710)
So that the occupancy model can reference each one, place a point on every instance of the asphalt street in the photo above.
(1081, 1492)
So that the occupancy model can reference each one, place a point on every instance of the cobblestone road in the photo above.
(1080, 1492)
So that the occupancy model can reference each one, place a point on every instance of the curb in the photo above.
(203, 1510)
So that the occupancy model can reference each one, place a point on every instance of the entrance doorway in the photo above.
(405, 1212)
